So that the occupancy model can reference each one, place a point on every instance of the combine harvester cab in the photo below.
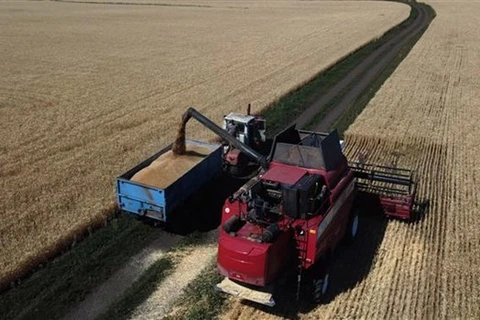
(159, 201)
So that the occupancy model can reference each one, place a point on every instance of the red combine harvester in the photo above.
(299, 206)
(296, 211)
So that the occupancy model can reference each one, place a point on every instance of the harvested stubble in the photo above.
(170, 166)
(87, 91)
(425, 117)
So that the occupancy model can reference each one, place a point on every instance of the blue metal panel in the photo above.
(142, 208)
(140, 199)
(144, 200)
(142, 192)
(193, 180)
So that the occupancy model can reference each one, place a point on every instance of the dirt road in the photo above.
(359, 79)
(95, 303)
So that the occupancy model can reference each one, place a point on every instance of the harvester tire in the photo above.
(318, 283)
(320, 287)
(351, 232)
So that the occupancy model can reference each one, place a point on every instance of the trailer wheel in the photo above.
(352, 228)
(235, 171)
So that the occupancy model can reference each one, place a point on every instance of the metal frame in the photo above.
(394, 186)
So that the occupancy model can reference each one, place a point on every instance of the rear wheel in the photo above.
(352, 227)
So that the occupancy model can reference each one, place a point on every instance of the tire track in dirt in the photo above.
(94, 304)
(190, 266)
(368, 69)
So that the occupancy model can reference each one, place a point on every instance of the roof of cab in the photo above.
(238, 117)
(284, 174)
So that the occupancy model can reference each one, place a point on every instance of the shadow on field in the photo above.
(351, 263)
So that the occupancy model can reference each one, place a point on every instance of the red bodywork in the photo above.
(397, 207)
(243, 257)
(232, 157)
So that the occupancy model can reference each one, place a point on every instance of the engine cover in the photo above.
(249, 261)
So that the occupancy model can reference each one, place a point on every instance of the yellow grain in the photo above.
(167, 168)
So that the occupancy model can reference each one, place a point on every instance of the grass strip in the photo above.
(349, 116)
(293, 104)
(140, 290)
(54, 289)
(150, 279)
(200, 300)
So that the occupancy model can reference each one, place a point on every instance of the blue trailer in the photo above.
(158, 203)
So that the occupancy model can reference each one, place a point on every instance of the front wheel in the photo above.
(317, 282)
(320, 287)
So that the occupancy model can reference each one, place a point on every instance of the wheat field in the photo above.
(424, 117)
(89, 90)
(428, 114)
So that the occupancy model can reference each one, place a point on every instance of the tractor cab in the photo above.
(250, 130)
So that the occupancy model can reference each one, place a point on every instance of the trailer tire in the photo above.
(239, 169)
(352, 228)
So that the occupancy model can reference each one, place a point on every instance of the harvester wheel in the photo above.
(320, 287)
(318, 282)
(352, 227)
